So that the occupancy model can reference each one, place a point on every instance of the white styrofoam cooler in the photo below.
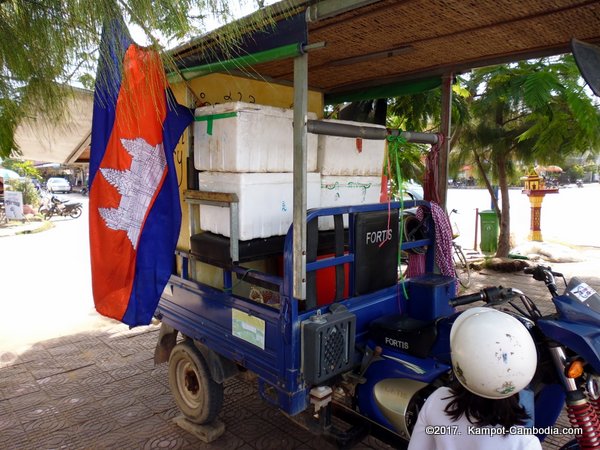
(246, 137)
(265, 202)
(350, 156)
(347, 190)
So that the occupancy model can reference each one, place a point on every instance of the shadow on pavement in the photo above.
(101, 390)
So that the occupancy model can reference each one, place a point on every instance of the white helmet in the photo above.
(493, 354)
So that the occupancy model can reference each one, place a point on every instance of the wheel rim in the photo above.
(188, 384)
(461, 267)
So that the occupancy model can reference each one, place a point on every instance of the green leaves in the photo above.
(46, 44)
(538, 88)
(538, 108)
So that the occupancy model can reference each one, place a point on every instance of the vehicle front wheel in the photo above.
(48, 215)
(196, 394)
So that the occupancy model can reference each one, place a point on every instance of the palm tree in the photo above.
(530, 111)
(47, 45)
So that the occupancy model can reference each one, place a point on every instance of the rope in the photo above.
(239, 281)
(394, 143)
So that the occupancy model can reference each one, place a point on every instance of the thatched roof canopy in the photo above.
(374, 43)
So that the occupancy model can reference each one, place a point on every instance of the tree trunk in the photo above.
(504, 237)
(488, 185)
(365, 111)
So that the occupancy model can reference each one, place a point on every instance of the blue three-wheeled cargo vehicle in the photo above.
(289, 267)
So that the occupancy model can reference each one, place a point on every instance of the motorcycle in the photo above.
(58, 207)
(579, 183)
(405, 360)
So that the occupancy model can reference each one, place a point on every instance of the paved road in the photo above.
(47, 275)
(570, 217)
(46, 284)
(93, 385)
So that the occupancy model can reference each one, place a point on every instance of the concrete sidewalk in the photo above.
(100, 390)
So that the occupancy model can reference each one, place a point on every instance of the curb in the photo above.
(18, 229)
(46, 225)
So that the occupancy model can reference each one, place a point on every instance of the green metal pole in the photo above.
(286, 51)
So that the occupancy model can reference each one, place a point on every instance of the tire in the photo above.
(75, 213)
(196, 394)
(48, 214)
(571, 445)
(461, 266)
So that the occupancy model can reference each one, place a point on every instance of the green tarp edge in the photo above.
(385, 91)
(286, 51)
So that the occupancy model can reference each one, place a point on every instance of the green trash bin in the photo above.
(489, 231)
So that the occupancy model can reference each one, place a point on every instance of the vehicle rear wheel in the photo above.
(196, 394)
(48, 214)
(75, 213)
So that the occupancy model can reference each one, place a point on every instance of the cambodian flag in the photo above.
(135, 214)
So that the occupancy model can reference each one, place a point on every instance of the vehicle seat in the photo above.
(376, 251)
(405, 334)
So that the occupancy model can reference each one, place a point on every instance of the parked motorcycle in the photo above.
(579, 183)
(57, 207)
(405, 360)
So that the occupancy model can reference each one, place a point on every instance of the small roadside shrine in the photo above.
(535, 188)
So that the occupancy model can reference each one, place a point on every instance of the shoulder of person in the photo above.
(441, 393)
(533, 443)
(525, 442)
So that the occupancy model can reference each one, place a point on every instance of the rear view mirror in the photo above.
(587, 57)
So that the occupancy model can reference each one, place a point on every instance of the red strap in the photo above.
(431, 178)
(359, 145)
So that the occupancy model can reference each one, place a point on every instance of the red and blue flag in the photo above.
(135, 215)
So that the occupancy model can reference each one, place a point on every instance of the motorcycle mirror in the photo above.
(587, 57)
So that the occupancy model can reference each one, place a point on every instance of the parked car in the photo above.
(56, 184)
(413, 190)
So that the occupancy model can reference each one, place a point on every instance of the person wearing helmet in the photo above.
(493, 358)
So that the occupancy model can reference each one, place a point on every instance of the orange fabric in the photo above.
(140, 112)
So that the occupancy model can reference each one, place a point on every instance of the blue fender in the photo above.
(581, 338)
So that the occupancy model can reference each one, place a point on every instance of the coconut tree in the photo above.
(45, 45)
(530, 111)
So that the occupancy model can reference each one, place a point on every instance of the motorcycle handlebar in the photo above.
(466, 299)
(545, 274)
(540, 272)
(488, 295)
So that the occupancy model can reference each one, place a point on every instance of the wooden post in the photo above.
(476, 226)
(446, 120)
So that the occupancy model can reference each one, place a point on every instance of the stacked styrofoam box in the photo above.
(246, 137)
(350, 171)
(350, 156)
(247, 149)
(265, 202)
(347, 190)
